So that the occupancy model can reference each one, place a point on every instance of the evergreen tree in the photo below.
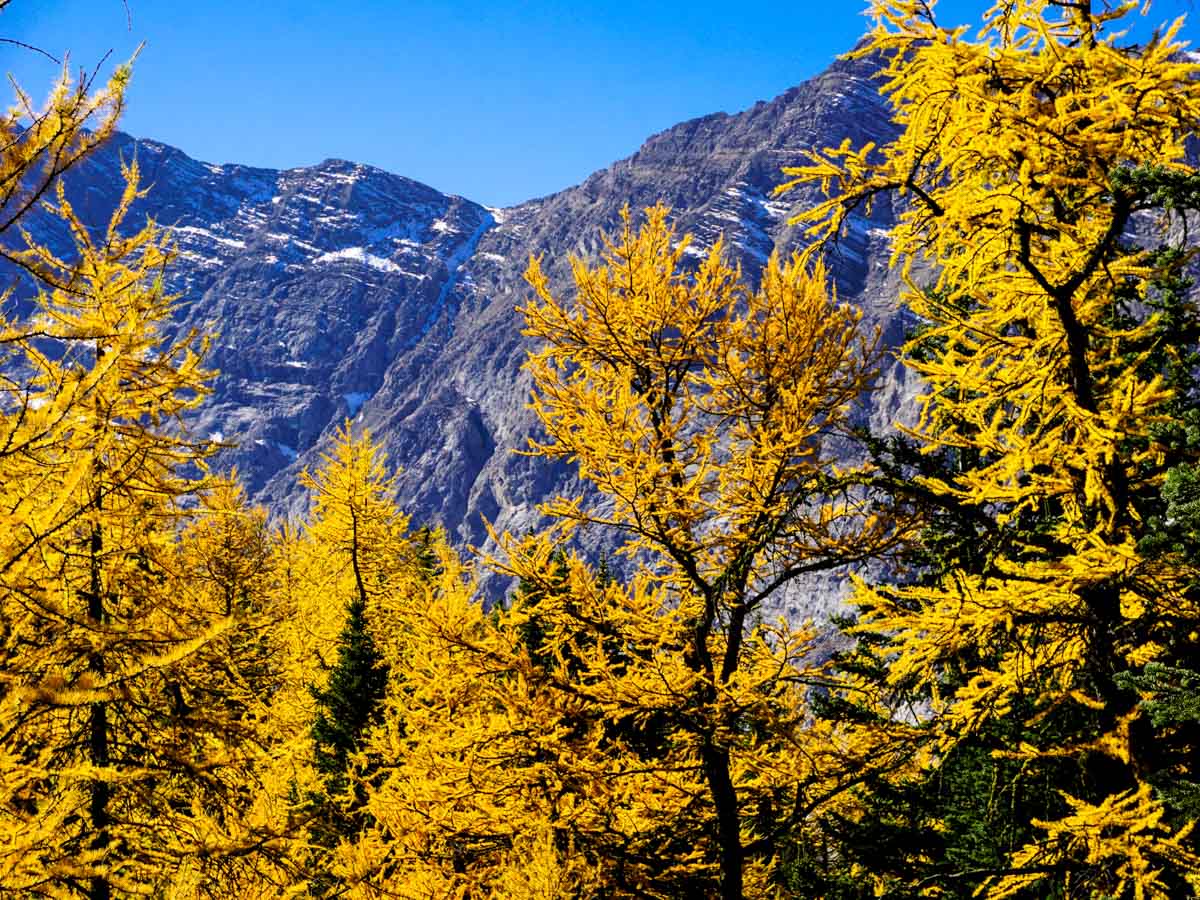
(349, 703)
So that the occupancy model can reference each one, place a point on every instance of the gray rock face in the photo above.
(314, 281)
(341, 291)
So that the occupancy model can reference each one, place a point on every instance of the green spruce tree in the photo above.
(346, 708)
(351, 701)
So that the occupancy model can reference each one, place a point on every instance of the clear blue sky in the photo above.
(497, 101)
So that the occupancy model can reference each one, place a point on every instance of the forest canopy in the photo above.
(200, 700)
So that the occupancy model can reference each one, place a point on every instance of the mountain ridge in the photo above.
(341, 290)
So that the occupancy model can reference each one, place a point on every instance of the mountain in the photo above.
(340, 290)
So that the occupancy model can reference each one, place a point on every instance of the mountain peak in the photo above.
(342, 290)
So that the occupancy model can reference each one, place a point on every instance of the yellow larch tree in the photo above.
(228, 563)
(117, 753)
(703, 411)
(648, 738)
(352, 571)
(505, 776)
(40, 143)
(1057, 357)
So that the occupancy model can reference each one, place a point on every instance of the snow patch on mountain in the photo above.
(190, 230)
(359, 255)
(454, 263)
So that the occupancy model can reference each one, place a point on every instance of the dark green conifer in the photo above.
(349, 704)
(351, 701)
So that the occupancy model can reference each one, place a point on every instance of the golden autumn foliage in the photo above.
(702, 410)
(647, 737)
(1026, 154)
(195, 702)
(226, 563)
(127, 731)
(353, 544)
(40, 143)
(353, 557)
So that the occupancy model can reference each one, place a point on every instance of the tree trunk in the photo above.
(98, 720)
(729, 831)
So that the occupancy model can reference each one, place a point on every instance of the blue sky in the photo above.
(497, 101)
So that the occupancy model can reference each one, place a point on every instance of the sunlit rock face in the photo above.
(341, 291)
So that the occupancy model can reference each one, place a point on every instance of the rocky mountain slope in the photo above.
(451, 418)
(340, 290)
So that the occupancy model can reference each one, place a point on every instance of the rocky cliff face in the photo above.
(341, 291)
(452, 418)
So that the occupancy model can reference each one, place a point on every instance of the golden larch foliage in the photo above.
(1025, 156)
